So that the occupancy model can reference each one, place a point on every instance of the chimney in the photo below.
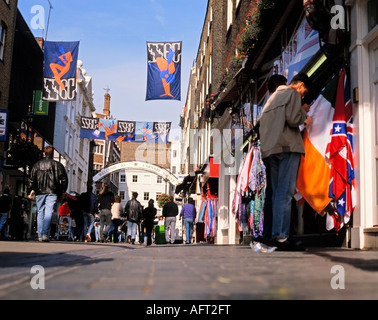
(40, 41)
(106, 110)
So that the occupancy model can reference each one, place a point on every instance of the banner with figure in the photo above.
(127, 131)
(60, 71)
(164, 70)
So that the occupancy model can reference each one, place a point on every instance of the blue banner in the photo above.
(127, 131)
(60, 70)
(164, 70)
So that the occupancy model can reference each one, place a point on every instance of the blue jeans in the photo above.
(45, 208)
(3, 222)
(88, 223)
(132, 229)
(188, 229)
(283, 176)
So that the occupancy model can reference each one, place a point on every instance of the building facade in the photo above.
(258, 39)
(74, 151)
(364, 85)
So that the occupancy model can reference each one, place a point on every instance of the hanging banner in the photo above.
(3, 124)
(60, 71)
(164, 70)
(127, 131)
(40, 107)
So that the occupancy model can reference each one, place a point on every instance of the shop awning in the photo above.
(209, 170)
(186, 183)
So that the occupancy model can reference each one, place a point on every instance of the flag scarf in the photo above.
(340, 153)
(326, 171)
(164, 71)
(128, 131)
(314, 172)
(60, 71)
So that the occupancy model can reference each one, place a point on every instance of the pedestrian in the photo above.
(105, 201)
(189, 213)
(133, 211)
(274, 82)
(116, 217)
(49, 180)
(88, 204)
(5, 207)
(148, 217)
(64, 209)
(161, 221)
(96, 225)
(170, 211)
(281, 147)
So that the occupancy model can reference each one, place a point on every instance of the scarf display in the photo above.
(248, 202)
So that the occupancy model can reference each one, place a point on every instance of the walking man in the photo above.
(189, 212)
(48, 179)
(133, 211)
(170, 211)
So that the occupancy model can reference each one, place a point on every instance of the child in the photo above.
(161, 221)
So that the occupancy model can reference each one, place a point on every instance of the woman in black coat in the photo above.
(148, 220)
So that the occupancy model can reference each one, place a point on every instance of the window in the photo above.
(174, 153)
(122, 178)
(2, 41)
(173, 170)
(146, 196)
(229, 13)
(122, 195)
(372, 14)
(158, 194)
(159, 179)
(135, 178)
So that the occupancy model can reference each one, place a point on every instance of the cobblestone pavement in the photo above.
(183, 272)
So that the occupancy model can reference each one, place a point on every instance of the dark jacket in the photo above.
(133, 210)
(149, 214)
(170, 209)
(48, 176)
(106, 200)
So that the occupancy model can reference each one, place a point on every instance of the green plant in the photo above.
(162, 200)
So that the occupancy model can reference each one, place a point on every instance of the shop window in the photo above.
(2, 41)
(372, 14)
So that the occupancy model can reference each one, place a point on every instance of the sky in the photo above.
(113, 36)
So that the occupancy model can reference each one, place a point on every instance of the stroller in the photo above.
(64, 228)
(66, 215)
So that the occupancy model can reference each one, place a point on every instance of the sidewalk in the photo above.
(185, 272)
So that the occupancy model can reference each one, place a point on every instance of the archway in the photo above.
(137, 165)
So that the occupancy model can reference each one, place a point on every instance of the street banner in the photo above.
(3, 124)
(164, 70)
(40, 107)
(60, 71)
(127, 131)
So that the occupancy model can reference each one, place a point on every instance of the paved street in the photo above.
(182, 272)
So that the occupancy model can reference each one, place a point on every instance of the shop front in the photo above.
(298, 47)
